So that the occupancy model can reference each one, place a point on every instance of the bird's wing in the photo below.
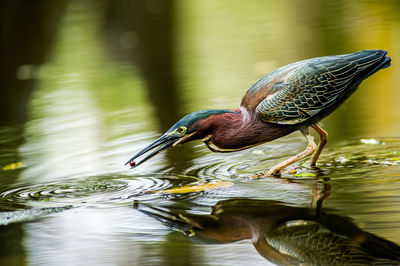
(311, 243)
(297, 92)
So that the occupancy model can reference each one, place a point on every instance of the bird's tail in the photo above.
(370, 61)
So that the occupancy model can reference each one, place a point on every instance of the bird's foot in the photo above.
(274, 173)
(269, 173)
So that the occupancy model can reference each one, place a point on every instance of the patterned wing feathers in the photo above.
(315, 85)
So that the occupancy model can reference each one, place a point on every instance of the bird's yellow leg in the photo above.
(323, 139)
(311, 146)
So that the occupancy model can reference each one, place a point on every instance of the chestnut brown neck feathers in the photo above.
(237, 130)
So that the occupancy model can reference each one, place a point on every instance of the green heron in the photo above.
(293, 97)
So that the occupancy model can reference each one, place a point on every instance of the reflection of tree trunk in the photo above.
(27, 28)
(156, 37)
(26, 31)
(142, 31)
(145, 30)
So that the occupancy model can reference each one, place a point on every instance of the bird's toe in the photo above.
(268, 173)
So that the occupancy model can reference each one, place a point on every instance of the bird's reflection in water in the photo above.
(285, 235)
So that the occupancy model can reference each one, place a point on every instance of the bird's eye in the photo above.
(181, 130)
(190, 233)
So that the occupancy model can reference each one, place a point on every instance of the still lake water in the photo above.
(111, 76)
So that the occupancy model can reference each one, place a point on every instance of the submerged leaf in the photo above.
(13, 166)
(197, 188)
(304, 174)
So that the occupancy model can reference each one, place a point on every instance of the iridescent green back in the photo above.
(302, 90)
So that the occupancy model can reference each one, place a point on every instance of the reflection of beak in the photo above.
(164, 139)
(176, 221)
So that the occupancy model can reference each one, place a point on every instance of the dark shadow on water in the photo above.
(282, 234)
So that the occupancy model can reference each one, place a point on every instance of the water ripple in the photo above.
(101, 190)
(59, 191)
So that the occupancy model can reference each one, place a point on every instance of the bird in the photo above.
(282, 234)
(295, 97)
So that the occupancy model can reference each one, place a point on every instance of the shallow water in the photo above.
(106, 86)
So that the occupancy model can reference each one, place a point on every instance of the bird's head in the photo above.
(196, 125)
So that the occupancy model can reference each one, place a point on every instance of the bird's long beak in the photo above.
(162, 143)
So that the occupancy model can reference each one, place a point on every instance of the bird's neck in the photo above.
(241, 129)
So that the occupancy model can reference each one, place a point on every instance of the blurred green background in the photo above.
(150, 62)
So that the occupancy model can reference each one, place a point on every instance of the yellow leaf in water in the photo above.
(197, 188)
(304, 174)
(13, 166)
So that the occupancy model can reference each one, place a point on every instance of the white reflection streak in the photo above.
(65, 141)
(88, 237)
